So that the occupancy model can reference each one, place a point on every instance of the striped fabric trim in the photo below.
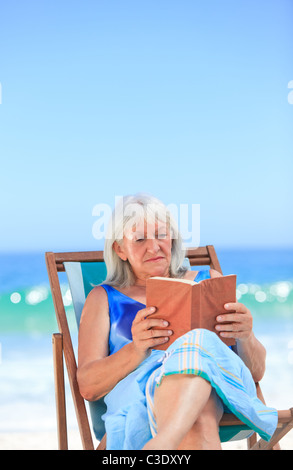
(150, 387)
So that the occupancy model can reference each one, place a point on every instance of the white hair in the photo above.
(129, 211)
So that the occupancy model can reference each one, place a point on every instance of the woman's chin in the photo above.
(159, 272)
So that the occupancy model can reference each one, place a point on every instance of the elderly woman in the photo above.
(156, 400)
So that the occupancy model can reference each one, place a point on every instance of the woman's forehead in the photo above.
(146, 227)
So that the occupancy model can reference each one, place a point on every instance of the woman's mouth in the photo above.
(157, 258)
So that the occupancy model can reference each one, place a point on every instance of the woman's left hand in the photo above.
(239, 324)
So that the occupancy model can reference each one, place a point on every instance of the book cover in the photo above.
(187, 304)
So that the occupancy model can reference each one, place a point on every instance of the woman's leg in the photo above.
(178, 403)
(204, 434)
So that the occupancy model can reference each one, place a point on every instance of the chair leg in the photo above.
(273, 444)
(285, 425)
(102, 444)
(251, 441)
(57, 341)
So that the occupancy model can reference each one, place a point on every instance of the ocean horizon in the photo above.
(27, 321)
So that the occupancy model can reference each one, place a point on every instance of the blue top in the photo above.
(122, 311)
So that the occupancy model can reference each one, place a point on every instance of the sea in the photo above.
(27, 322)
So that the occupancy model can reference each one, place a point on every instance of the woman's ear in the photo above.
(117, 247)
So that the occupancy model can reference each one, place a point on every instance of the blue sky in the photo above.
(187, 100)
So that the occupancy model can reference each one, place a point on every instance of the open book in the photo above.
(187, 304)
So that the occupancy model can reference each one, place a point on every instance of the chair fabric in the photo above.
(82, 278)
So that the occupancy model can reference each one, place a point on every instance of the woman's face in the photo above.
(147, 247)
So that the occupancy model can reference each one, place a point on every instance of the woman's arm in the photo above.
(98, 372)
(253, 354)
(251, 351)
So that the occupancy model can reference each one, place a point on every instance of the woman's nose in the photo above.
(153, 245)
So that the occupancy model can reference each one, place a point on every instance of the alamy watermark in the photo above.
(185, 216)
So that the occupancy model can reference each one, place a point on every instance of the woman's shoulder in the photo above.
(214, 273)
(191, 275)
(97, 295)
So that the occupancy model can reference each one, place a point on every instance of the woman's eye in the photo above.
(162, 235)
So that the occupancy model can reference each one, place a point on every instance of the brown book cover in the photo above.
(187, 304)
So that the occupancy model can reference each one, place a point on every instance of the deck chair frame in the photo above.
(63, 348)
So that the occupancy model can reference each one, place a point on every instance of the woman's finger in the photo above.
(156, 341)
(153, 333)
(143, 313)
(236, 307)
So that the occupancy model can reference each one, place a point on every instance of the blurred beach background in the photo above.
(190, 101)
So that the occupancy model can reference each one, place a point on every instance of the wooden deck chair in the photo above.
(84, 271)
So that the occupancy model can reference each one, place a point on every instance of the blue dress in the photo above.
(129, 419)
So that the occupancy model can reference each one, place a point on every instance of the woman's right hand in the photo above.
(145, 335)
